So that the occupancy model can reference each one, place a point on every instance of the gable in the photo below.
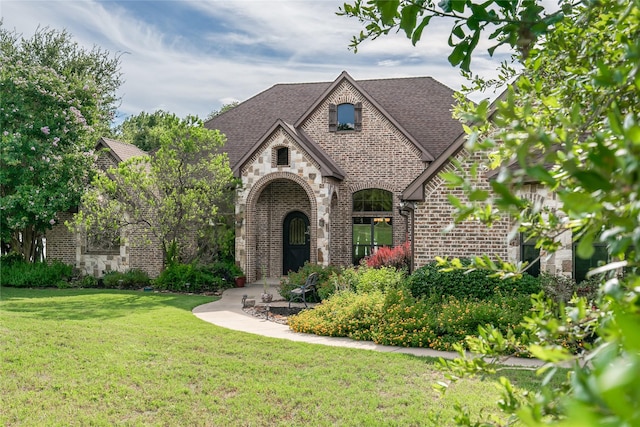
(420, 109)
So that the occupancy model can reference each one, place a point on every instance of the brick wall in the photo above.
(61, 243)
(435, 214)
(379, 156)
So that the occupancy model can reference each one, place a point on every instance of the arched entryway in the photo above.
(296, 241)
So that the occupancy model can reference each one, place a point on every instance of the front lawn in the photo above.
(103, 357)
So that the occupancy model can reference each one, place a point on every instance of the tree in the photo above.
(570, 120)
(170, 196)
(223, 109)
(54, 98)
(139, 130)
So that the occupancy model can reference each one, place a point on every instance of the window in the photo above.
(372, 222)
(282, 156)
(106, 241)
(529, 253)
(345, 117)
(582, 266)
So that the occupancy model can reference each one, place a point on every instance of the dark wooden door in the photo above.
(295, 242)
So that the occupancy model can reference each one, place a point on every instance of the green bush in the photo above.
(429, 281)
(132, 279)
(18, 273)
(397, 318)
(344, 314)
(298, 278)
(197, 278)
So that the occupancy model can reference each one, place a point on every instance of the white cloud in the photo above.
(243, 48)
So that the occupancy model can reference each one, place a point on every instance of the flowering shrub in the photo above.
(397, 318)
(397, 257)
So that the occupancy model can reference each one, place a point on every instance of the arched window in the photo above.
(372, 221)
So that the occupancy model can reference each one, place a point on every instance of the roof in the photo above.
(415, 190)
(122, 151)
(419, 106)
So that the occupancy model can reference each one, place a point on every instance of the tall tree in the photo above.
(55, 97)
(170, 196)
(571, 122)
(139, 129)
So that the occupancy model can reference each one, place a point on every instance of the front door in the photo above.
(295, 242)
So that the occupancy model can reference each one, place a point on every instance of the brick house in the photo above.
(332, 170)
(94, 252)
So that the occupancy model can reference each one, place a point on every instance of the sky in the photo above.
(192, 57)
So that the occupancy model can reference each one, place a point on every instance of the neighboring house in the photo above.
(97, 252)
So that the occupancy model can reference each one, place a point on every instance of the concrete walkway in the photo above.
(227, 312)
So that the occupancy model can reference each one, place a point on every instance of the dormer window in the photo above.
(282, 156)
(345, 117)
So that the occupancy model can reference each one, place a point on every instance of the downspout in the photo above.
(407, 210)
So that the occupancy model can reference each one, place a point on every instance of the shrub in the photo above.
(132, 279)
(397, 257)
(298, 278)
(558, 287)
(381, 279)
(344, 314)
(10, 259)
(197, 278)
(20, 273)
(430, 280)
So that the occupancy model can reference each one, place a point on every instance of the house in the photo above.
(96, 252)
(329, 172)
(332, 170)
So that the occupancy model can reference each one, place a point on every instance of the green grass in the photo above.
(101, 357)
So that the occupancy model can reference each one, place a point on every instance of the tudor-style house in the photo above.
(324, 167)
(330, 171)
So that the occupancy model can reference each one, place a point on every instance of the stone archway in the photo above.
(268, 202)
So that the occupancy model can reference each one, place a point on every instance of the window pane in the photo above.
(528, 253)
(296, 232)
(582, 266)
(283, 156)
(362, 232)
(346, 117)
(382, 232)
(373, 200)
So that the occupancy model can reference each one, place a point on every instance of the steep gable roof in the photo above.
(121, 151)
(419, 106)
(327, 166)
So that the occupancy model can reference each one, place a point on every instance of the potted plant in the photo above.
(238, 276)
(266, 296)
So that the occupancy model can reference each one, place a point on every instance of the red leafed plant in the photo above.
(386, 256)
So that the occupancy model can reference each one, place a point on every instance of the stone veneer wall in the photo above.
(560, 262)
(297, 186)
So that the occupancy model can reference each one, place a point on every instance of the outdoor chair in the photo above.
(299, 294)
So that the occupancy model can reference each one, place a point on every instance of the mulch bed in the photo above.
(275, 314)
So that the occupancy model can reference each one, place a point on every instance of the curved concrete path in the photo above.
(227, 312)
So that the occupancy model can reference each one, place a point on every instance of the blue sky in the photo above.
(191, 57)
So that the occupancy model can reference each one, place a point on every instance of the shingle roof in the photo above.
(421, 105)
(121, 150)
